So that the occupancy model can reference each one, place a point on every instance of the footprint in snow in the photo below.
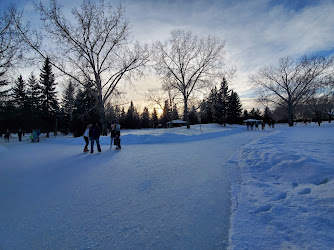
(304, 191)
(263, 209)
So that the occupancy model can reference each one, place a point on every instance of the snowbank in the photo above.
(284, 196)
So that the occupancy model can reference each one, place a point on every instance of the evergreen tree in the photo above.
(49, 102)
(33, 94)
(122, 118)
(175, 113)
(19, 95)
(132, 117)
(3, 85)
(267, 115)
(234, 108)
(155, 119)
(205, 112)
(165, 117)
(245, 114)
(145, 118)
(193, 116)
(68, 105)
(255, 114)
(85, 109)
(222, 100)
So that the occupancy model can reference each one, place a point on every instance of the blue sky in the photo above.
(257, 32)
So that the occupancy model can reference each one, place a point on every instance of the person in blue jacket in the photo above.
(94, 135)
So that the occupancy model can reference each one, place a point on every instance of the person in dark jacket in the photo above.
(20, 134)
(94, 135)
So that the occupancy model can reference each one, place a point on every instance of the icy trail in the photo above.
(152, 196)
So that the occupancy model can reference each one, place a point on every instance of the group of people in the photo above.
(19, 134)
(93, 133)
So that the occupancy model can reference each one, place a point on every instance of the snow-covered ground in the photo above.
(209, 187)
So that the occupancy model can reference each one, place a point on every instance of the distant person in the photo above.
(94, 135)
(20, 134)
(34, 136)
(112, 133)
(117, 141)
(248, 125)
(86, 137)
(38, 132)
(7, 135)
(256, 125)
(263, 125)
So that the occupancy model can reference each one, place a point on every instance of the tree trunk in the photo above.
(290, 114)
(186, 115)
(103, 118)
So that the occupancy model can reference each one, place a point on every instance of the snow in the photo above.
(200, 188)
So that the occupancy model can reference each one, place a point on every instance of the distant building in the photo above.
(176, 123)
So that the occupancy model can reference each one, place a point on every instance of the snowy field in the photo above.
(205, 188)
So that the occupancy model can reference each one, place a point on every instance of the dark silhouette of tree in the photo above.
(92, 43)
(21, 103)
(145, 118)
(155, 119)
(85, 109)
(48, 97)
(293, 82)
(234, 108)
(68, 105)
(188, 63)
(193, 116)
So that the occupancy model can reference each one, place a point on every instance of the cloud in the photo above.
(257, 33)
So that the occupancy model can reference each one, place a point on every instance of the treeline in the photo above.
(34, 103)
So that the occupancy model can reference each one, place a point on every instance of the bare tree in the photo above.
(11, 45)
(292, 82)
(164, 98)
(93, 44)
(189, 63)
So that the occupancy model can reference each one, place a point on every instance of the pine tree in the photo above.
(132, 117)
(267, 115)
(33, 94)
(234, 108)
(193, 116)
(175, 113)
(222, 100)
(3, 84)
(245, 114)
(145, 118)
(155, 119)
(49, 102)
(68, 105)
(166, 116)
(20, 102)
(19, 94)
(85, 109)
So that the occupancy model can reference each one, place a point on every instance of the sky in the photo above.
(257, 33)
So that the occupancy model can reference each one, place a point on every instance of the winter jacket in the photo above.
(86, 134)
(94, 131)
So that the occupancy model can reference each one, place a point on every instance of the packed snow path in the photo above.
(152, 196)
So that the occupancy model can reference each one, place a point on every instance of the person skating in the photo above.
(112, 133)
(86, 137)
(117, 136)
(7, 135)
(94, 135)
